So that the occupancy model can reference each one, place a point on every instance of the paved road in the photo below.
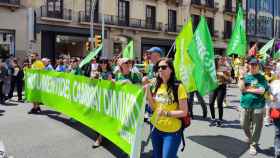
(52, 135)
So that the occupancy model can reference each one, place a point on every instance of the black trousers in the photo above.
(219, 93)
(201, 101)
(2, 96)
(16, 82)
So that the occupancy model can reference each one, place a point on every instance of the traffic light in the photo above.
(88, 46)
(98, 40)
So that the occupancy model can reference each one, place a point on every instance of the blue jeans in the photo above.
(165, 145)
(277, 137)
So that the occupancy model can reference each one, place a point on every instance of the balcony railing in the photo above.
(172, 28)
(83, 17)
(197, 2)
(65, 14)
(209, 3)
(10, 2)
(121, 21)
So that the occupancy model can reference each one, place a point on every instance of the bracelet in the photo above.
(168, 113)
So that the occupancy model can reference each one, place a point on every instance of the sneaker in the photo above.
(38, 110)
(213, 122)
(32, 111)
(252, 150)
(220, 123)
(98, 142)
(225, 104)
(267, 122)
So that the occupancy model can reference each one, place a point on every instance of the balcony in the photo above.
(10, 3)
(121, 21)
(208, 5)
(196, 2)
(64, 15)
(172, 28)
(229, 10)
(85, 18)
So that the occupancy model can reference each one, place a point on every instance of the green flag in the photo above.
(276, 55)
(202, 54)
(265, 48)
(90, 56)
(182, 62)
(238, 43)
(128, 51)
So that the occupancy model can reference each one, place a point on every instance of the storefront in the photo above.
(57, 41)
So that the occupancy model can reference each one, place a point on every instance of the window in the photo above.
(55, 8)
(198, 2)
(123, 11)
(88, 6)
(172, 20)
(227, 29)
(151, 17)
(195, 21)
(210, 3)
(228, 5)
(210, 22)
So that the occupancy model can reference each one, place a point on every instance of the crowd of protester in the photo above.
(167, 98)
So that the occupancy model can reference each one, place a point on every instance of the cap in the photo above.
(45, 59)
(253, 60)
(155, 50)
(122, 60)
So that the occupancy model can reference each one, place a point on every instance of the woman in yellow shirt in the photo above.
(166, 135)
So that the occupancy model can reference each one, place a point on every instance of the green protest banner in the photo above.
(201, 52)
(128, 51)
(238, 42)
(114, 110)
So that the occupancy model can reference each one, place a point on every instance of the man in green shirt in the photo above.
(253, 86)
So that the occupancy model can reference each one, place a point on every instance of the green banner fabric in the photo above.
(90, 56)
(114, 110)
(182, 63)
(265, 48)
(238, 42)
(276, 55)
(128, 51)
(201, 52)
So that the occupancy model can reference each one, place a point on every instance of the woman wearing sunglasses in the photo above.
(169, 103)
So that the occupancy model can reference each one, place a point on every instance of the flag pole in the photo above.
(170, 49)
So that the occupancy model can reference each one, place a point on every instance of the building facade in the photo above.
(57, 27)
(263, 20)
(12, 35)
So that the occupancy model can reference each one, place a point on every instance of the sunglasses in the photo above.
(162, 67)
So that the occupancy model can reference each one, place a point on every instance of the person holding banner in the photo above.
(105, 73)
(39, 65)
(169, 103)
(125, 75)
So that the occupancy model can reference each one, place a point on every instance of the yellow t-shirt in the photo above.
(38, 64)
(166, 102)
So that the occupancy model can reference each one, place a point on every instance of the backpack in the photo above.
(186, 121)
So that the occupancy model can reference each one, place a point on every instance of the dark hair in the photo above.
(172, 83)
(107, 63)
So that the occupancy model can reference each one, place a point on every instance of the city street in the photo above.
(52, 135)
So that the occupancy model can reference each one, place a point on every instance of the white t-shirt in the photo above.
(275, 91)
